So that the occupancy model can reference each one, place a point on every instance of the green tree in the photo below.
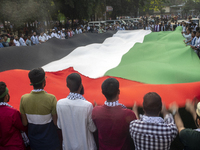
(19, 12)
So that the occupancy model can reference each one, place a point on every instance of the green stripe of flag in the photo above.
(162, 58)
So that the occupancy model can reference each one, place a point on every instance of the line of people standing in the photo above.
(115, 126)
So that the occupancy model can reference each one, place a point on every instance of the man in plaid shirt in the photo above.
(152, 132)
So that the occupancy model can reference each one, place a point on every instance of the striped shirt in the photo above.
(39, 106)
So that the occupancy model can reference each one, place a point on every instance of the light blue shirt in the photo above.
(1, 45)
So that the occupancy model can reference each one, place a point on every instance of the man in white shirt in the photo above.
(54, 34)
(63, 33)
(88, 28)
(59, 35)
(74, 117)
(16, 41)
(187, 36)
(21, 40)
(42, 38)
(80, 31)
(48, 36)
(34, 39)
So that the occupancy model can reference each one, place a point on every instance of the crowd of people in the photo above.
(7, 40)
(191, 33)
(85, 126)
(157, 27)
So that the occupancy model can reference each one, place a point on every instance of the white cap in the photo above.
(58, 31)
(53, 30)
(63, 28)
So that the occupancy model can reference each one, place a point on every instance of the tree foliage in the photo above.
(19, 12)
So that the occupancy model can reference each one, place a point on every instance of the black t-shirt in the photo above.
(190, 139)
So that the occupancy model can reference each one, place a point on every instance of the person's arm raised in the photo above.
(174, 109)
(135, 110)
(189, 106)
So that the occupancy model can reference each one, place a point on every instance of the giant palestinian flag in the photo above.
(140, 60)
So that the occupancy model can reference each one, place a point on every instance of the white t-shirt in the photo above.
(184, 28)
(88, 28)
(42, 38)
(22, 42)
(75, 121)
(16, 42)
(48, 37)
(80, 31)
(53, 34)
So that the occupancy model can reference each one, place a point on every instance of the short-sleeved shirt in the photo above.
(190, 139)
(113, 127)
(39, 108)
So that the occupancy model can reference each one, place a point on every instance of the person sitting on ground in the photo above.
(48, 36)
(42, 38)
(16, 41)
(54, 34)
(5, 43)
(189, 137)
(10, 123)
(88, 28)
(71, 32)
(63, 33)
(59, 35)
(80, 30)
(38, 112)
(151, 131)
(188, 36)
(34, 39)
(11, 43)
(101, 30)
(112, 119)
(1, 40)
(74, 117)
(21, 40)
(28, 41)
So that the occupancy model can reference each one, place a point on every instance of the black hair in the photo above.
(189, 29)
(36, 77)
(152, 104)
(110, 88)
(2, 90)
(194, 32)
(197, 28)
(198, 31)
(73, 82)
